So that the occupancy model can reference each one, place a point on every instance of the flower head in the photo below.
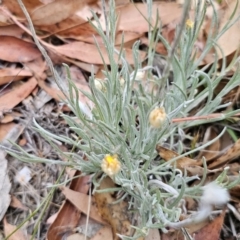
(111, 165)
(157, 117)
(189, 23)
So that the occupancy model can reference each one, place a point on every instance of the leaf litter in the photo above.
(75, 44)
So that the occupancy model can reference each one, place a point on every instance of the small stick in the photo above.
(194, 118)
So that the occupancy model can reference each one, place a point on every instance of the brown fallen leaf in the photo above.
(68, 216)
(18, 235)
(15, 203)
(181, 163)
(37, 68)
(16, 50)
(80, 31)
(115, 214)
(18, 92)
(13, 74)
(232, 153)
(190, 230)
(128, 36)
(10, 131)
(230, 40)
(81, 202)
(9, 117)
(89, 53)
(4, 21)
(54, 12)
(14, 8)
(65, 25)
(132, 17)
(212, 230)
(11, 30)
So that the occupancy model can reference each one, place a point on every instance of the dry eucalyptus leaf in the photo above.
(81, 201)
(230, 40)
(11, 30)
(14, 8)
(66, 26)
(89, 53)
(13, 74)
(57, 11)
(16, 50)
(132, 17)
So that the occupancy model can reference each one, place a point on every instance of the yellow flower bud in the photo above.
(189, 23)
(140, 75)
(122, 81)
(157, 117)
(110, 165)
(99, 84)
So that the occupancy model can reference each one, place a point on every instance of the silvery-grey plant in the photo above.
(116, 126)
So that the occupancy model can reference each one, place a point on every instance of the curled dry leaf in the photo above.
(57, 11)
(16, 50)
